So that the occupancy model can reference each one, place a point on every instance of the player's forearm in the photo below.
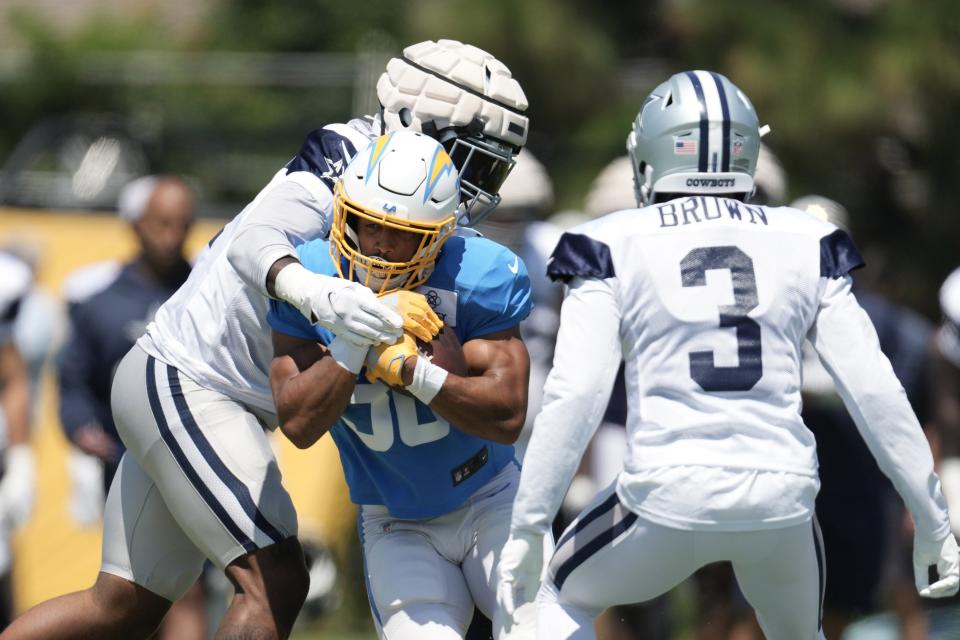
(15, 395)
(78, 404)
(274, 270)
(483, 406)
(310, 402)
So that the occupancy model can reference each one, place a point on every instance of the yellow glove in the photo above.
(418, 318)
(385, 361)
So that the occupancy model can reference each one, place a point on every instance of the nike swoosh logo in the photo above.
(515, 267)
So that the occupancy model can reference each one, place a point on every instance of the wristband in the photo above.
(428, 378)
(292, 284)
(348, 355)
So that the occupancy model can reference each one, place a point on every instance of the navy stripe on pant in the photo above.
(582, 541)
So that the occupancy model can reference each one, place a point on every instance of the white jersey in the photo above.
(15, 281)
(213, 328)
(708, 301)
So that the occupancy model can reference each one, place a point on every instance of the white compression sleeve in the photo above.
(847, 342)
(285, 215)
(576, 394)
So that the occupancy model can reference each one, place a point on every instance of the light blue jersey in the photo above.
(395, 451)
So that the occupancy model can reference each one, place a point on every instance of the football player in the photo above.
(18, 481)
(427, 451)
(192, 398)
(708, 301)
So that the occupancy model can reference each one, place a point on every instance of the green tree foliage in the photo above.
(862, 95)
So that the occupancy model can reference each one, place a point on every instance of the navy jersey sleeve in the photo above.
(76, 364)
(325, 154)
(501, 297)
(838, 255)
(284, 318)
(580, 256)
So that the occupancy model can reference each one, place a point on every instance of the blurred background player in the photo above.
(521, 225)
(947, 392)
(721, 467)
(104, 326)
(17, 485)
(192, 484)
(427, 451)
(859, 514)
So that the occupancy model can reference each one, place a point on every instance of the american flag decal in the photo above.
(684, 147)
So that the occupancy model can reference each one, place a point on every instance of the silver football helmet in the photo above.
(695, 133)
(468, 101)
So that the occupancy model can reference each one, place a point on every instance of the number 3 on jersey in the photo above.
(693, 270)
(371, 416)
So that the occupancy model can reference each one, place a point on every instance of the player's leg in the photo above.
(112, 608)
(214, 467)
(187, 618)
(483, 534)
(415, 592)
(147, 563)
(609, 556)
(271, 585)
(782, 575)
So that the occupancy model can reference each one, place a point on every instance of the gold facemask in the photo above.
(376, 273)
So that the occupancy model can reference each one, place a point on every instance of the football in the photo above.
(445, 351)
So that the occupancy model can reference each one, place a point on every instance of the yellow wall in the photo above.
(52, 554)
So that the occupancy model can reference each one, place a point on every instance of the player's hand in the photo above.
(18, 487)
(385, 361)
(418, 317)
(94, 441)
(944, 555)
(348, 309)
(520, 570)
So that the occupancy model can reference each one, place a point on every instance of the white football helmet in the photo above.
(403, 180)
(611, 190)
(948, 336)
(695, 133)
(824, 208)
(467, 100)
(525, 197)
(769, 180)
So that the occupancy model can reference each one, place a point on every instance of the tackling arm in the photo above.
(285, 214)
(311, 385)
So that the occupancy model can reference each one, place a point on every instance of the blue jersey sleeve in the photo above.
(499, 297)
(283, 317)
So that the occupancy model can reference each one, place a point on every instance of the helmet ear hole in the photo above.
(406, 116)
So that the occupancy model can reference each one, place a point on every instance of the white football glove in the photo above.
(348, 309)
(946, 557)
(520, 571)
(18, 487)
